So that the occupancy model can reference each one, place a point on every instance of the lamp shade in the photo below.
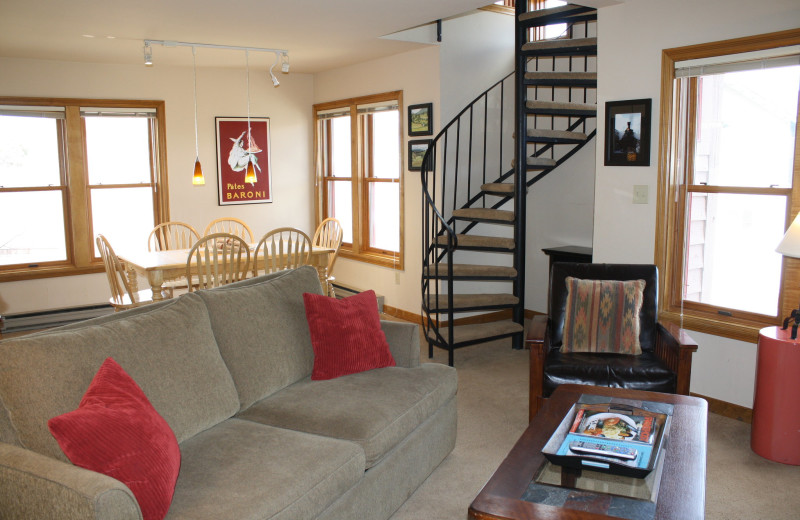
(790, 245)
(197, 178)
(250, 174)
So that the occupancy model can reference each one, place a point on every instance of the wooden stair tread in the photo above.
(562, 9)
(473, 301)
(471, 271)
(475, 332)
(556, 135)
(562, 76)
(559, 44)
(498, 187)
(557, 106)
(479, 242)
(484, 214)
(537, 162)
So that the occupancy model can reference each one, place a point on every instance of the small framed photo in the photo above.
(420, 119)
(416, 152)
(628, 133)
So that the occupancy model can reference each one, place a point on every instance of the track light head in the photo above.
(148, 54)
(285, 63)
(275, 81)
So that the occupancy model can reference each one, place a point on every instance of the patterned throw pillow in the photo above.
(602, 316)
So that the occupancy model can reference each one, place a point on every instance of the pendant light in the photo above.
(197, 178)
(250, 175)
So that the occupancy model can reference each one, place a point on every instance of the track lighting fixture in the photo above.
(197, 178)
(250, 173)
(275, 81)
(285, 63)
(148, 54)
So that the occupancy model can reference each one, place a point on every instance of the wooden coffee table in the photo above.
(677, 487)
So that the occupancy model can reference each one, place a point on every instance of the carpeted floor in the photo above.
(492, 414)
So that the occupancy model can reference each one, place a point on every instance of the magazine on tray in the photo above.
(620, 435)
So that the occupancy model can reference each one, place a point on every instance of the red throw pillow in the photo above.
(117, 432)
(346, 335)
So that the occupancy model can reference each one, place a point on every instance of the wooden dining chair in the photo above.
(283, 248)
(329, 235)
(233, 226)
(122, 294)
(220, 258)
(172, 235)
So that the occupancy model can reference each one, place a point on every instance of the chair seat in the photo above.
(642, 372)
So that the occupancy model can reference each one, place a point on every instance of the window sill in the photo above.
(375, 259)
(16, 275)
(747, 332)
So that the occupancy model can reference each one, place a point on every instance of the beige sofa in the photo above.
(229, 370)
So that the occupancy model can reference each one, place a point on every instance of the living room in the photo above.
(588, 204)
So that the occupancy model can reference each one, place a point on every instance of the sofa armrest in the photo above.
(403, 341)
(674, 348)
(37, 486)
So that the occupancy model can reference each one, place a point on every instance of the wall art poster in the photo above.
(235, 148)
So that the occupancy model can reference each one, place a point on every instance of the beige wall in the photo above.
(629, 64)
(221, 92)
(416, 73)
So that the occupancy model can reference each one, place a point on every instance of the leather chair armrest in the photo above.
(537, 342)
(675, 347)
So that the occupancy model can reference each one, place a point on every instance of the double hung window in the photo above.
(359, 175)
(729, 186)
(73, 169)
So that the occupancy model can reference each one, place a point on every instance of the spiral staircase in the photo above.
(474, 186)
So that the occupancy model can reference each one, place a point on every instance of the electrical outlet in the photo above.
(640, 194)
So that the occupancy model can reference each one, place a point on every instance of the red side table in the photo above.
(776, 405)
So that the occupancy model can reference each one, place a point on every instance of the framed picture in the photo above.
(416, 152)
(235, 149)
(628, 133)
(420, 119)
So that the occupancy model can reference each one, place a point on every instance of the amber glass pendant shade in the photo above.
(198, 179)
(250, 176)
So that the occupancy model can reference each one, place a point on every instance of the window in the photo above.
(728, 185)
(72, 169)
(359, 175)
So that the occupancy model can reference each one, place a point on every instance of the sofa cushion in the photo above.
(117, 432)
(262, 332)
(244, 470)
(377, 409)
(346, 335)
(170, 352)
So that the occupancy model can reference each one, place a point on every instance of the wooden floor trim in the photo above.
(726, 409)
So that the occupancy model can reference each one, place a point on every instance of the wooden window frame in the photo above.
(705, 318)
(79, 240)
(361, 177)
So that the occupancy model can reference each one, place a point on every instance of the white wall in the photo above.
(221, 92)
(629, 67)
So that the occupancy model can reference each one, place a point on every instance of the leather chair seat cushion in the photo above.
(642, 372)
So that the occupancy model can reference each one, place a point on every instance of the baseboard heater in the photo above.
(343, 291)
(52, 318)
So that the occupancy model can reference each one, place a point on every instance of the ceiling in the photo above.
(319, 34)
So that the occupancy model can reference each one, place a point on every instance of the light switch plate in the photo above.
(640, 194)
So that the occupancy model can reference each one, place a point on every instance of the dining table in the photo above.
(158, 266)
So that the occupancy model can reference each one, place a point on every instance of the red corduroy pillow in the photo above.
(117, 432)
(346, 335)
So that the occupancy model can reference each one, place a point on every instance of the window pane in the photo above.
(340, 147)
(340, 206)
(29, 152)
(118, 149)
(746, 128)
(384, 215)
(386, 144)
(123, 215)
(33, 228)
(731, 260)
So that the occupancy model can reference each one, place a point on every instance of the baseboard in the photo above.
(10, 323)
(403, 315)
(726, 409)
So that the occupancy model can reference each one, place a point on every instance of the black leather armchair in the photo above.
(665, 364)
